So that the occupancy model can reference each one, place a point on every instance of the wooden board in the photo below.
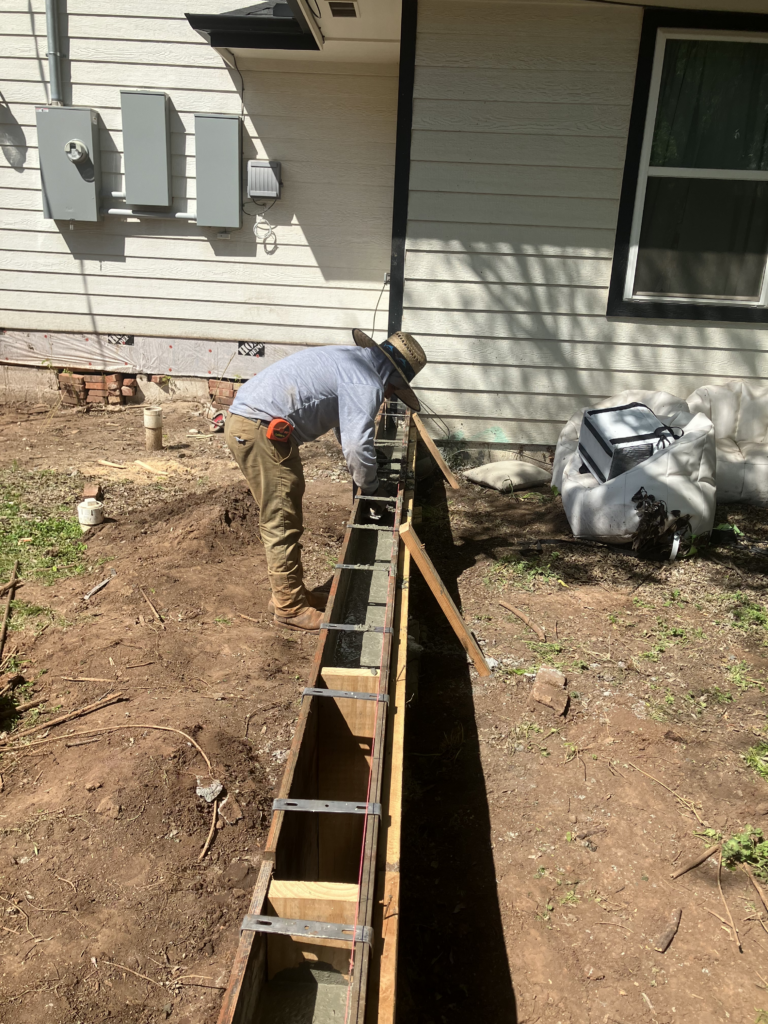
(444, 599)
(435, 452)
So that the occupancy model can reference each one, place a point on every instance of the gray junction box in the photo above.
(146, 147)
(68, 142)
(217, 160)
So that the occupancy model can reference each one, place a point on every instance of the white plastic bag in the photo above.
(739, 412)
(682, 474)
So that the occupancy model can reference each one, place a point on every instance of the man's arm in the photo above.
(358, 407)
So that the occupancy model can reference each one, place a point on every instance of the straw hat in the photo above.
(406, 355)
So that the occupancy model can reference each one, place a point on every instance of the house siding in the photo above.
(520, 121)
(332, 126)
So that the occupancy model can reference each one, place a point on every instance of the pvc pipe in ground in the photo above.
(90, 513)
(153, 428)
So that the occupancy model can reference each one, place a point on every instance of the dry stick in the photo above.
(112, 465)
(687, 804)
(155, 612)
(113, 698)
(130, 970)
(758, 890)
(727, 908)
(150, 469)
(115, 728)
(209, 840)
(698, 859)
(86, 679)
(249, 618)
(521, 615)
(14, 584)
(11, 590)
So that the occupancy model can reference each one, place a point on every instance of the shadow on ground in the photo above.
(453, 962)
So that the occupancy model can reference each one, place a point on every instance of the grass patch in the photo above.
(665, 637)
(547, 653)
(38, 525)
(746, 613)
(23, 611)
(523, 573)
(737, 674)
(756, 758)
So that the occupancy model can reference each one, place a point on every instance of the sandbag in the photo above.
(682, 475)
(511, 475)
(739, 411)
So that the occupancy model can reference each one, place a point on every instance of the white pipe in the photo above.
(54, 56)
(117, 212)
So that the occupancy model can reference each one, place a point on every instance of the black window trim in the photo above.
(643, 309)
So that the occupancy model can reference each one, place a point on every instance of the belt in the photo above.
(263, 423)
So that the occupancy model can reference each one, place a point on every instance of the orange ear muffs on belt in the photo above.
(279, 430)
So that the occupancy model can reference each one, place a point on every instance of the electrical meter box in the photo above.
(146, 147)
(68, 143)
(264, 180)
(217, 162)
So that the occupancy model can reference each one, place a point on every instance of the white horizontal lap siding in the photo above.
(331, 126)
(520, 119)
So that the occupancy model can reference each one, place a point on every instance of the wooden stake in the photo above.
(435, 452)
(444, 599)
(11, 591)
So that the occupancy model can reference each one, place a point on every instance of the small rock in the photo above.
(91, 786)
(761, 808)
(230, 810)
(549, 689)
(109, 806)
(209, 792)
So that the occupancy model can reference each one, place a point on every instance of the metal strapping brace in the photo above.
(309, 929)
(319, 691)
(355, 628)
(369, 526)
(371, 568)
(326, 806)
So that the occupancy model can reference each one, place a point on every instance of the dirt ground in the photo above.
(107, 912)
(537, 858)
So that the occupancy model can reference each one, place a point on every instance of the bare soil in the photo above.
(540, 848)
(537, 854)
(107, 911)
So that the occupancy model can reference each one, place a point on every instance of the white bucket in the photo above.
(90, 513)
(153, 418)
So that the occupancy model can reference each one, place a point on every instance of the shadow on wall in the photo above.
(335, 137)
(13, 141)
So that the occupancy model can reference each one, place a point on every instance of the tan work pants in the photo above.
(275, 476)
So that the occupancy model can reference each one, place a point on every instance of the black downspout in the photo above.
(402, 162)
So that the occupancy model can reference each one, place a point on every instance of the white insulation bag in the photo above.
(739, 411)
(681, 474)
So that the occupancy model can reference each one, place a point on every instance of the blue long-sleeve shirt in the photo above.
(337, 387)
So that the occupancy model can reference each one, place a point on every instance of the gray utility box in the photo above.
(217, 160)
(68, 143)
(264, 179)
(146, 148)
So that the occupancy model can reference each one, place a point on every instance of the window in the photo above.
(692, 239)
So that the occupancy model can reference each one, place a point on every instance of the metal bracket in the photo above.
(371, 568)
(368, 526)
(319, 691)
(309, 929)
(326, 806)
(373, 497)
(356, 628)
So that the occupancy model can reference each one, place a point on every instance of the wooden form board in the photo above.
(444, 599)
(435, 452)
(285, 892)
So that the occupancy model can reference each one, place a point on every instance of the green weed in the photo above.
(757, 759)
(223, 620)
(521, 572)
(720, 696)
(747, 847)
(22, 611)
(547, 652)
(762, 1017)
(571, 899)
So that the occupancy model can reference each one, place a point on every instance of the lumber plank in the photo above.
(444, 599)
(286, 889)
(435, 452)
(362, 680)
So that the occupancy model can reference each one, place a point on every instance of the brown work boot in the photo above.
(290, 603)
(317, 599)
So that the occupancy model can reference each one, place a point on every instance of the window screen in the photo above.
(700, 231)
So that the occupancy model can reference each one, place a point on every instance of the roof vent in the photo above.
(343, 8)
